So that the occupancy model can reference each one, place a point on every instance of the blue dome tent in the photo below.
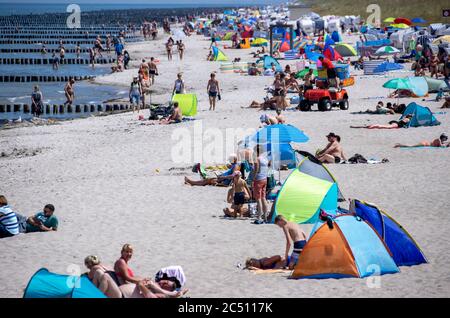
(44, 284)
(404, 249)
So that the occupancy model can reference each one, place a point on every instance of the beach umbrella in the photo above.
(398, 83)
(260, 42)
(279, 134)
(386, 50)
(345, 49)
(389, 20)
(418, 20)
(402, 20)
(400, 26)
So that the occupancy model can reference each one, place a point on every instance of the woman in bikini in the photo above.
(392, 124)
(438, 142)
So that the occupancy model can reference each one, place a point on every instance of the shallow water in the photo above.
(46, 70)
(85, 93)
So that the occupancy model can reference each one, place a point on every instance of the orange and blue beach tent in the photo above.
(350, 248)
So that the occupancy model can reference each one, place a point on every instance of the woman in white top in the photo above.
(178, 88)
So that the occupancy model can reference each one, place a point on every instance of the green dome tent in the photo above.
(303, 196)
(187, 103)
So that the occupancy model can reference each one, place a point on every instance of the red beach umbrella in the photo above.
(403, 20)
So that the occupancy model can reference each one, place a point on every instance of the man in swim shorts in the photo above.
(292, 233)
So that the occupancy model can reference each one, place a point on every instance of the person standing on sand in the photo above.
(178, 87)
(261, 169)
(213, 90)
(169, 46)
(293, 233)
(181, 49)
(135, 93)
(69, 92)
(153, 70)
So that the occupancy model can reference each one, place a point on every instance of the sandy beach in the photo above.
(111, 182)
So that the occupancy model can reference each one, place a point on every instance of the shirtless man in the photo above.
(153, 70)
(293, 233)
(309, 80)
(438, 142)
(68, 90)
(237, 195)
(333, 152)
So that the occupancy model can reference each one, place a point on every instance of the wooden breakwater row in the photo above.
(41, 78)
(43, 61)
(25, 111)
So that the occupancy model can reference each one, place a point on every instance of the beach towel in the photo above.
(271, 271)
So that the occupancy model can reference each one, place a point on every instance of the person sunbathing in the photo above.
(123, 272)
(380, 109)
(107, 281)
(400, 93)
(147, 288)
(223, 179)
(103, 277)
(238, 194)
(392, 124)
(333, 152)
(269, 103)
(268, 120)
(438, 142)
(174, 118)
(273, 262)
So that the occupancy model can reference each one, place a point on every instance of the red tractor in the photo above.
(325, 99)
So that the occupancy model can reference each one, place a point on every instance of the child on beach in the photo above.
(238, 194)
(293, 233)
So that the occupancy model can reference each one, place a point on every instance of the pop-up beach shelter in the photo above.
(218, 54)
(303, 196)
(267, 62)
(44, 284)
(351, 248)
(345, 49)
(313, 167)
(404, 249)
(187, 103)
(421, 116)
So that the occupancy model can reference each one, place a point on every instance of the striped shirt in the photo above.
(8, 219)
